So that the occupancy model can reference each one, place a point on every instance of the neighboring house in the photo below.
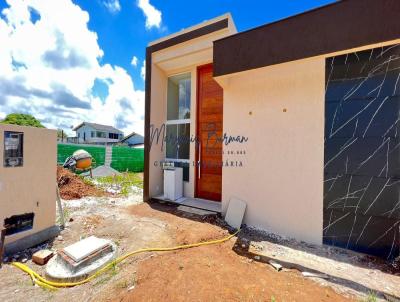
(91, 133)
(133, 140)
(316, 97)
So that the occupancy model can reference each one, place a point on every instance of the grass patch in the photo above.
(67, 215)
(124, 181)
(124, 284)
(372, 297)
(106, 276)
(87, 180)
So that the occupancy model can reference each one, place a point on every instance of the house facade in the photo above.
(298, 118)
(91, 133)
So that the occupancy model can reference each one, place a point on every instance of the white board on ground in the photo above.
(81, 249)
(235, 212)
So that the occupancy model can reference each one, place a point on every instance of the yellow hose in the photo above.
(42, 282)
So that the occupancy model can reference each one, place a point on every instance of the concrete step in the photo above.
(108, 157)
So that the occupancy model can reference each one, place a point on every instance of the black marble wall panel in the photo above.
(362, 151)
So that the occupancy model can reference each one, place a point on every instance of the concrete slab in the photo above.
(82, 249)
(77, 266)
(198, 203)
(235, 212)
(195, 211)
(58, 269)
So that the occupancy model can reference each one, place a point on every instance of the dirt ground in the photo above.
(348, 272)
(213, 273)
(207, 273)
(72, 186)
(233, 271)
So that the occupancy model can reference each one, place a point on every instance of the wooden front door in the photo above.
(209, 132)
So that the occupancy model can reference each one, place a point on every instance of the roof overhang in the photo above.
(342, 25)
(94, 127)
(77, 127)
(192, 46)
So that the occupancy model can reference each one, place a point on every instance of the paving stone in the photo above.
(195, 211)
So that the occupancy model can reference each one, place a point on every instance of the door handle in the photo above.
(199, 163)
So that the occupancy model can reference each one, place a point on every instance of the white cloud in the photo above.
(153, 15)
(134, 61)
(143, 70)
(50, 63)
(112, 5)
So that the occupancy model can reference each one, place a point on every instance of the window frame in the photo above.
(179, 121)
(113, 135)
(101, 134)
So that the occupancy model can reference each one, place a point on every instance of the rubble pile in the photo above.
(72, 186)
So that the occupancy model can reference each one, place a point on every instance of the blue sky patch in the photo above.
(100, 89)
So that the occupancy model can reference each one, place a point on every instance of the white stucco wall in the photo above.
(159, 117)
(281, 110)
(182, 58)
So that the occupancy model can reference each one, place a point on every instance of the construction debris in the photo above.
(27, 253)
(315, 275)
(42, 257)
(73, 187)
(391, 298)
(373, 273)
(103, 171)
(275, 265)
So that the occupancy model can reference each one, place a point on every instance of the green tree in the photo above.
(61, 134)
(22, 120)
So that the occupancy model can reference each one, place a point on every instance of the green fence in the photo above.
(123, 158)
(65, 150)
(127, 159)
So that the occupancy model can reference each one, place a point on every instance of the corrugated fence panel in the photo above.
(65, 150)
(127, 159)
